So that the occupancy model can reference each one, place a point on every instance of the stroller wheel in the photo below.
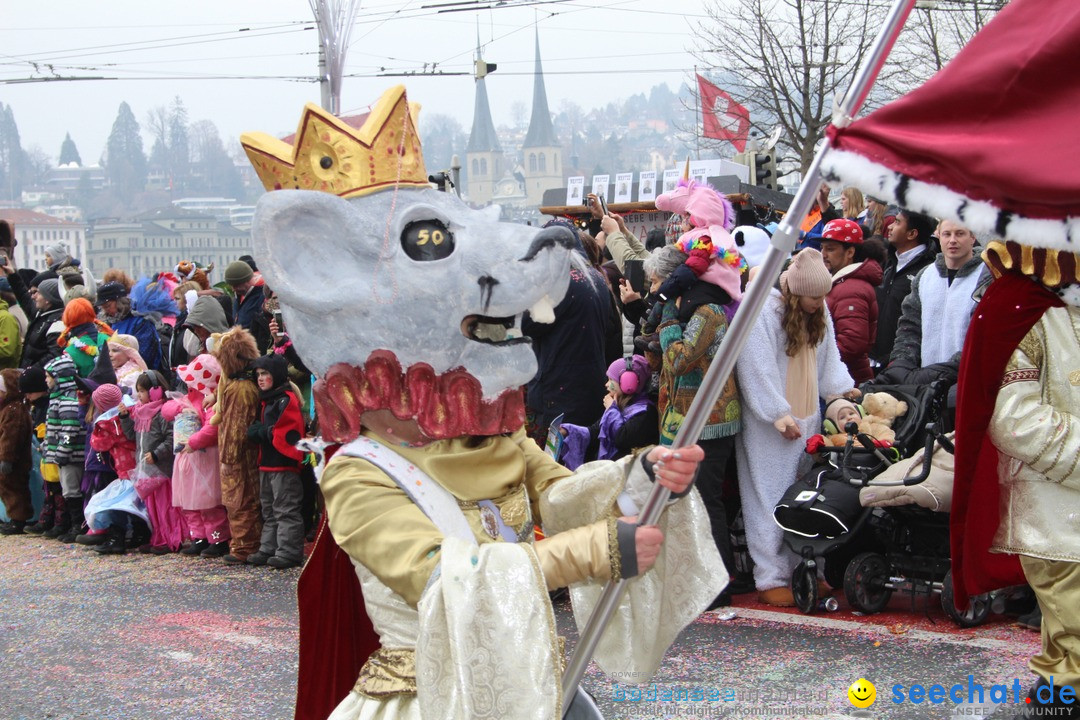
(864, 582)
(804, 587)
(978, 608)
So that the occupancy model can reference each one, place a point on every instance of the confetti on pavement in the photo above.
(85, 637)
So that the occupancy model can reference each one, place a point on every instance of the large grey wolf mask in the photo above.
(399, 297)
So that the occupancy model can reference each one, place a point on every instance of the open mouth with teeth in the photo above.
(505, 330)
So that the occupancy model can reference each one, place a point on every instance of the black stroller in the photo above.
(872, 552)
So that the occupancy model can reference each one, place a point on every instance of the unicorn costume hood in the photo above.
(714, 255)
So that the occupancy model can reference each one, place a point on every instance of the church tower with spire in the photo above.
(483, 154)
(541, 155)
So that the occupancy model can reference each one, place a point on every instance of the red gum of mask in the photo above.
(444, 406)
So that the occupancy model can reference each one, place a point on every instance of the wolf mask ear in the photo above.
(307, 243)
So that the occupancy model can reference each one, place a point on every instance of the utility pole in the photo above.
(326, 97)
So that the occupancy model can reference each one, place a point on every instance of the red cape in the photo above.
(336, 636)
(1009, 309)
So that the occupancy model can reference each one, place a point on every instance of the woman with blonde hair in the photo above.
(790, 363)
(852, 204)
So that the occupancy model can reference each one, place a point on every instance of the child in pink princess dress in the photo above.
(154, 441)
(196, 480)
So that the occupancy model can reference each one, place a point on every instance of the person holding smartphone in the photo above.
(611, 233)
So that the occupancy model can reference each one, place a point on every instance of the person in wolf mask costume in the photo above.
(434, 494)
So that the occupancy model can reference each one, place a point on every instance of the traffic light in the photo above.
(763, 169)
(483, 69)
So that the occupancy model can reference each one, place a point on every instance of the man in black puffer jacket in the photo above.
(911, 248)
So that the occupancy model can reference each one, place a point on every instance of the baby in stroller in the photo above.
(876, 512)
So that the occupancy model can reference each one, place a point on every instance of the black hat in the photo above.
(33, 380)
(27, 275)
(110, 291)
(102, 374)
(276, 365)
(42, 277)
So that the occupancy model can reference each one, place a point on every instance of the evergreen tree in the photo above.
(178, 150)
(12, 156)
(212, 170)
(69, 153)
(125, 163)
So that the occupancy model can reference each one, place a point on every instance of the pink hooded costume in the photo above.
(712, 250)
(196, 480)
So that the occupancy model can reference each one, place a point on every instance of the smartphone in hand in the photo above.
(635, 275)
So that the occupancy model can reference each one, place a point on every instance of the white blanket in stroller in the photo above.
(935, 493)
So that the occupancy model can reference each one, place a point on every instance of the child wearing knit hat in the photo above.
(114, 433)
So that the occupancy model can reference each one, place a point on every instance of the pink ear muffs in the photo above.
(628, 379)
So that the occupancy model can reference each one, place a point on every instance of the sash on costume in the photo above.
(432, 498)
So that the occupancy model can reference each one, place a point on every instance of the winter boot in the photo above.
(216, 550)
(140, 534)
(41, 526)
(75, 518)
(15, 527)
(60, 529)
(91, 537)
(114, 543)
(46, 519)
(195, 548)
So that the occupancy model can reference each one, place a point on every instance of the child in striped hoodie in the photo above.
(65, 442)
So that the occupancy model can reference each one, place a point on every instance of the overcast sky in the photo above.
(593, 51)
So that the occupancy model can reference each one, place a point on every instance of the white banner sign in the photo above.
(623, 183)
(575, 190)
(600, 186)
(646, 185)
(671, 179)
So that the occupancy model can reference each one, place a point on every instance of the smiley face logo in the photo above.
(862, 693)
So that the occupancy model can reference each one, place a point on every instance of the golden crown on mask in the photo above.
(329, 155)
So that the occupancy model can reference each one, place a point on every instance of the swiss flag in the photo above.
(721, 117)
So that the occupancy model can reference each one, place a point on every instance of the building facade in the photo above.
(159, 239)
(35, 231)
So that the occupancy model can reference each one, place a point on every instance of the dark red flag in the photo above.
(721, 117)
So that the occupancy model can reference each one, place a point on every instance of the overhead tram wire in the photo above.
(165, 43)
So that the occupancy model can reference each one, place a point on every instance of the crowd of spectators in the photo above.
(874, 295)
(165, 411)
(153, 422)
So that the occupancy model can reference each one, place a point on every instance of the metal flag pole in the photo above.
(697, 118)
(783, 242)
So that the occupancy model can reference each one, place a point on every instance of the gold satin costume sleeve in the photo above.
(380, 527)
(1026, 425)
(585, 553)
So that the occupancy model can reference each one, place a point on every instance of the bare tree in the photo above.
(785, 60)
(935, 32)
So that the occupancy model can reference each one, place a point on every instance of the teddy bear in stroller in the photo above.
(876, 511)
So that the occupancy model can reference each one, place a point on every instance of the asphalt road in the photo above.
(145, 638)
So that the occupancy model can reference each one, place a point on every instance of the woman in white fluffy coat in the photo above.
(790, 362)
